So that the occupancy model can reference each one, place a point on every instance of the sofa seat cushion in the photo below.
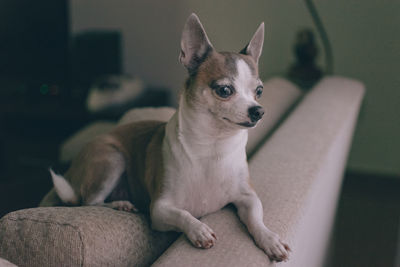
(80, 236)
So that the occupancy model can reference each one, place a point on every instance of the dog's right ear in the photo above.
(195, 45)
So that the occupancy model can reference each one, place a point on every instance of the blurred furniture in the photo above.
(297, 158)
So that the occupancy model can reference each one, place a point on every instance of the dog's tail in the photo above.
(64, 190)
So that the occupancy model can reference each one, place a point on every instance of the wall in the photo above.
(151, 32)
(365, 39)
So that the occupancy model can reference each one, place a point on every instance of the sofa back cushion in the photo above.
(278, 97)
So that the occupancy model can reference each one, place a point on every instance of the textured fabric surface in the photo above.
(71, 147)
(6, 263)
(296, 175)
(278, 96)
(80, 236)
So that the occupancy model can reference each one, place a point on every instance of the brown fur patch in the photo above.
(129, 150)
(142, 146)
(218, 65)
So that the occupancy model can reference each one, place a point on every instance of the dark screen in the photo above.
(33, 41)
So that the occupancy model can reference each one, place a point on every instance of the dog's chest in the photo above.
(207, 185)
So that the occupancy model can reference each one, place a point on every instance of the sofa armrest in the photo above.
(80, 236)
(278, 97)
(297, 174)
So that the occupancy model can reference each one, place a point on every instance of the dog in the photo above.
(190, 166)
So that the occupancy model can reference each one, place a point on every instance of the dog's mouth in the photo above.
(243, 124)
(247, 124)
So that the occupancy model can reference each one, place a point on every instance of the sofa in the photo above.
(297, 156)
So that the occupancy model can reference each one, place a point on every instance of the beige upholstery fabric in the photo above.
(79, 236)
(278, 96)
(71, 147)
(6, 263)
(297, 175)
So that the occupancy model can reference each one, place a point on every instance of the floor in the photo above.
(368, 222)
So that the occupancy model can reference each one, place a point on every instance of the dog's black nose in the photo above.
(256, 113)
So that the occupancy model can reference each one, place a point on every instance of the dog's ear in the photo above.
(254, 48)
(195, 45)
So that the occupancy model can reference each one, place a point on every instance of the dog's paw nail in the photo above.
(197, 244)
(275, 249)
(286, 247)
(209, 244)
(202, 236)
(124, 205)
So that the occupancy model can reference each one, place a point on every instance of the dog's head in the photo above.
(224, 84)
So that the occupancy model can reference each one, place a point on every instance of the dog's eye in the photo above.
(259, 91)
(224, 91)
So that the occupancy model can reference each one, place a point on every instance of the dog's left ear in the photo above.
(254, 48)
(195, 45)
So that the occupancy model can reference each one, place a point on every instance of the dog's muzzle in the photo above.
(256, 113)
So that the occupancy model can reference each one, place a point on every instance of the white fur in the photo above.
(204, 158)
(107, 186)
(245, 84)
(63, 189)
(203, 166)
(205, 169)
(244, 80)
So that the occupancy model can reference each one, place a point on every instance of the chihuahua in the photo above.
(190, 166)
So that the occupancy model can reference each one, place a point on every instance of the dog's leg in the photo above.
(102, 174)
(50, 199)
(250, 212)
(166, 217)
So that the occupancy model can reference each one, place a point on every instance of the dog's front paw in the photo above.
(276, 249)
(202, 236)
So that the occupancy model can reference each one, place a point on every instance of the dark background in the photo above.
(45, 74)
(36, 108)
